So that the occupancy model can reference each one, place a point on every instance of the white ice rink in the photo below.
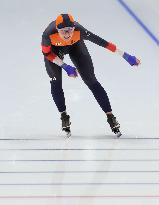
(38, 165)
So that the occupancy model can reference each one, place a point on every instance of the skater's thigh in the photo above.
(83, 62)
(53, 70)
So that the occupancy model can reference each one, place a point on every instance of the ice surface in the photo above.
(28, 112)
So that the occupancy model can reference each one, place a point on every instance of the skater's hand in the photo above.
(71, 71)
(132, 60)
(75, 75)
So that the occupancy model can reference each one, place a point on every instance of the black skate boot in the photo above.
(66, 123)
(114, 125)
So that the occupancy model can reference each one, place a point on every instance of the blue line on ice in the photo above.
(138, 20)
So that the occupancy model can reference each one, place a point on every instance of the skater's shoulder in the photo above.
(81, 28)
(50, 29)
(78, 26)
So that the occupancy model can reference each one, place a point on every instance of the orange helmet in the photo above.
(64, 20)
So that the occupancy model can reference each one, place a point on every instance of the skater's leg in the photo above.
(82, 60)
(55, 73)
(100, 95)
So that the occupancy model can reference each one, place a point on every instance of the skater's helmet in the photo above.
(64, 20)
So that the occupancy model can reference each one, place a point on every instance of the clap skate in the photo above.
(114, 125)
(66, 123)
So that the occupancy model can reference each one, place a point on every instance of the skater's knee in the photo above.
(55, 82)
(56, 86)
(90, 82)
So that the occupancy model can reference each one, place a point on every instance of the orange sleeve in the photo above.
(111, 47)
(48, 53)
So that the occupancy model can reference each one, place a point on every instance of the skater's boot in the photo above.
(114, 125)
(65, 121)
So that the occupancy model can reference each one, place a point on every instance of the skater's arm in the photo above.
(88, 35)
(47, 52)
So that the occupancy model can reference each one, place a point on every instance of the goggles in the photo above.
(66, 29)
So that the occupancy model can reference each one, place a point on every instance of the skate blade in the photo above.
(68, 134)
(117, 131)
(118, 134)
(68, 131)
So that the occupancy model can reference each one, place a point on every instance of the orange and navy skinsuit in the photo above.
(53, 45)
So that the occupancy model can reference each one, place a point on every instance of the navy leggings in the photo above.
(83, 62)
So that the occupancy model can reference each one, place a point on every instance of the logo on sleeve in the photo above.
(87, 33)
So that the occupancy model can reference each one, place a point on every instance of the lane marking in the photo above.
(139, 21)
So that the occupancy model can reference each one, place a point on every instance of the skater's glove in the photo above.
(71, 71)
(132, 60)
